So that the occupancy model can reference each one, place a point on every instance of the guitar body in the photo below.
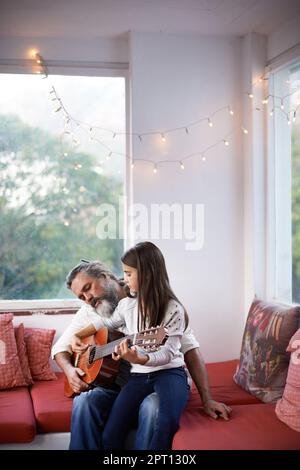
(102, 372)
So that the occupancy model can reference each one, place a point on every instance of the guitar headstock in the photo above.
(151, 339)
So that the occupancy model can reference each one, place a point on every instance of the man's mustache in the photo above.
(95, 300)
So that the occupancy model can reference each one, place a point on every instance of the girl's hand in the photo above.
(77, 345)
(130, 354)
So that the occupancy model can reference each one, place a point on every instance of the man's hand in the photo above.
(77, 345)
(130, 354)
(73, 376)
(216, 409)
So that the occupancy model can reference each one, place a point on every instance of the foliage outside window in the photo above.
(50, 189)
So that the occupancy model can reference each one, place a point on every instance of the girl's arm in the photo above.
(175, 323)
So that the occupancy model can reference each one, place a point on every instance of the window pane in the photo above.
(54, 175)
(295, 124)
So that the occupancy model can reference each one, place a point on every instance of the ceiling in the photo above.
(113, 18)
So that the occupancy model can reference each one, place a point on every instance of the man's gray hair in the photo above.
(94, 269)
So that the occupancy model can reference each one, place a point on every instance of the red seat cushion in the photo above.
(251, 427)
(17, 423)
(51, 408)
(223, 388)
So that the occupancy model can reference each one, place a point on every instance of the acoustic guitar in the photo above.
(96, 361)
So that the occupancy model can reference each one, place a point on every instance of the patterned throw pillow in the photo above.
(22, 353)
(288, 407)
(38, 343)
(264, 362)
(10, 368)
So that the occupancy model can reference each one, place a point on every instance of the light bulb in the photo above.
(210, 123)
(265, 100)
(231, 112)
(132, 165)
(226, 142)
(271, 113)
(181, 165)
(245, 130)
(203, 158)
(251, 96)
(155, 169)
(163, 138)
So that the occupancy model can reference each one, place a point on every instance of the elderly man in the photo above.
(101, 291)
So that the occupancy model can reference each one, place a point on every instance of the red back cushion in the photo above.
(10, 368)
(38, 343)
(22, 353)
(288, 407)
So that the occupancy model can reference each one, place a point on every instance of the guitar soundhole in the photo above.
(92, 354)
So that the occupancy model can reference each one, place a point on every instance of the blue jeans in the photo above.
(172, 389)
(90, 412)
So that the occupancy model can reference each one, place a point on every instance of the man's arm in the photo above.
(73, 374)
(62, 352)
(197, 369)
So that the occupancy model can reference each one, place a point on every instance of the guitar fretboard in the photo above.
(107, 349)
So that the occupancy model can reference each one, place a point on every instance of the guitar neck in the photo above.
(108, 349)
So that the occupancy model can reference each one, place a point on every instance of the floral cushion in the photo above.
(264, 361)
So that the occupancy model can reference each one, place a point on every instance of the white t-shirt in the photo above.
(86, 315)
(169, 355)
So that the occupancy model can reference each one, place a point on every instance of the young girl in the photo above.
(154, 303)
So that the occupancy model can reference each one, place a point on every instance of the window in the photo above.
(284, 182)
(55, 172)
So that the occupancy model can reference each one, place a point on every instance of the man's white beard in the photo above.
(104, 309)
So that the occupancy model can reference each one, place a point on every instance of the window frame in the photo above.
(76, 68)
(279, 192)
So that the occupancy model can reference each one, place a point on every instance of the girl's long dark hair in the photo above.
(154, 291)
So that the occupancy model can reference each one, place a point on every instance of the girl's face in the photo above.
(130, 277)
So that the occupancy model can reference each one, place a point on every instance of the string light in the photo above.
(294, 116)
(69, 120)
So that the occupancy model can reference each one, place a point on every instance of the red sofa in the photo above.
(253, 424)
(26, 414)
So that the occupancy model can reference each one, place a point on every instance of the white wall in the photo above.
(284, 37)
(65, 48)
(176, 80)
